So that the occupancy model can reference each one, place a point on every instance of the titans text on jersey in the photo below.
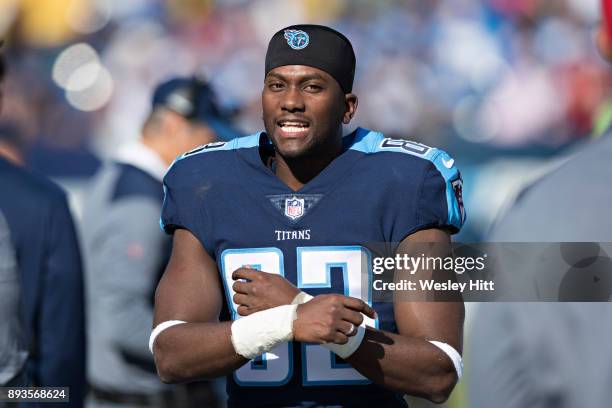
(300, 234)
(377, 190)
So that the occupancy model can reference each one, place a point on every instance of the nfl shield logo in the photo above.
(294, 207)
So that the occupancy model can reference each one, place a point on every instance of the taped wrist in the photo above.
(301, 297)
(262, 331)
(342, 350)
(347, 350)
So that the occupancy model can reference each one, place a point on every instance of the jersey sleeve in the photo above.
(438, 199)
(441, 201)
(181, 208)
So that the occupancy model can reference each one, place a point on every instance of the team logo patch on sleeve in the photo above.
(294, 207)
(458, 190)
(297, 39)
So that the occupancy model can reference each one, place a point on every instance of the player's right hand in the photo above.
(329, 318)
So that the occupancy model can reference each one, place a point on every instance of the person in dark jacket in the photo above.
(49, 266)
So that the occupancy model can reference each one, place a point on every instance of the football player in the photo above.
(265, 285)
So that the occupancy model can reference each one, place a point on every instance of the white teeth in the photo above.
(294, 124)
(293, 129)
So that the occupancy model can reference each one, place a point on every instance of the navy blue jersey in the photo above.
(377, 190)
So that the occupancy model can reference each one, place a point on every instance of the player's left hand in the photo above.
(261, 290)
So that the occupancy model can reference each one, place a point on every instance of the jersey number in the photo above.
(315, 266)
(417, 149)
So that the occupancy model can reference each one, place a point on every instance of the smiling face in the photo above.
(303, 110)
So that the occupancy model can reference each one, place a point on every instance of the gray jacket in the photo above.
(125, 253)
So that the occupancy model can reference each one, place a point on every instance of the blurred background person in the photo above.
(49, 319)
(13, 350)
(554, 354)
(126, 251)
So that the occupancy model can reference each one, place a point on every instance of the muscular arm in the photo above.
(190, 290)
(407, 361)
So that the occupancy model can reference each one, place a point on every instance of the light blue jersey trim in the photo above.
(269, 383)
(333, 365)
(369, 142)
(161, 221)
(336, 365)
(327, 284)
(228, 294)
(259, 363)
(233, 313)
(441, 159)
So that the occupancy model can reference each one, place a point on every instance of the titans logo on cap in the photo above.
(297, 39)
(319, 47)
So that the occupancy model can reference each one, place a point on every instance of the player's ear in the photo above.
(351, 102)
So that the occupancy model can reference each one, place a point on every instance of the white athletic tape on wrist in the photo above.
(342, 350)
(160, 328)
(452, 354)
(262, 331)
(346, 350)
(301, 297)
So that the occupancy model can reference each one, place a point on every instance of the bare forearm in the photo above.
(196, 351)
(407, 364)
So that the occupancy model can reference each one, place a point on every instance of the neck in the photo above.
(157, 145)
(296, 172)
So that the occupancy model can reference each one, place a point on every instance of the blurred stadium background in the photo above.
(508, 87)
